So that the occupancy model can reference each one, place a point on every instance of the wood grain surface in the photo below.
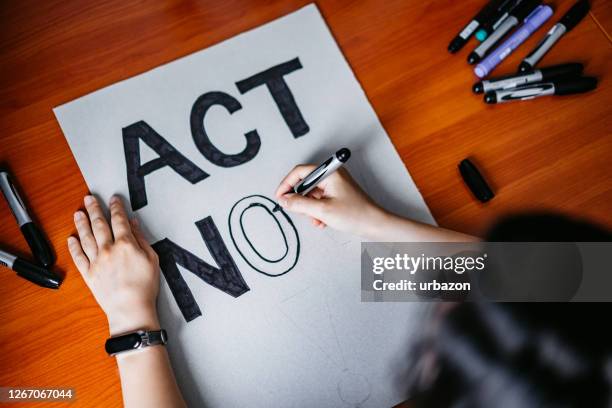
(550, 153)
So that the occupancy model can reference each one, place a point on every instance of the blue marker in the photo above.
(534, 21)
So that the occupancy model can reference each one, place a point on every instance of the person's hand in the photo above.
(337, 201)
(118, 265)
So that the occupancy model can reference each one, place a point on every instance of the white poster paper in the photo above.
(262, 323)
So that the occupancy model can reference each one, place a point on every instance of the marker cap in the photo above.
(575, 85)
(475, 181)
(575, 14)
(38, 244)
(562, 70)
(36, 274)
(525, 8)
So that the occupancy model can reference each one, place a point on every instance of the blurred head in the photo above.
(507, 355)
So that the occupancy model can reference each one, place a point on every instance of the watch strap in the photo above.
(157, 337)
(135, 340)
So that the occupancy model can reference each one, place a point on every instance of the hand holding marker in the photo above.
(533, 21)
(320, 173)
(567, 22)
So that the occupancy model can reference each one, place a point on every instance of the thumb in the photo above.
(304, 205)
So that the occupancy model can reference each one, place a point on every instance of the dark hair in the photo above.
(553, 355)
(517, 355)
(545, 227)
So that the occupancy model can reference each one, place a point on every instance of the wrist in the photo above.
(376, 225)
(139, 320)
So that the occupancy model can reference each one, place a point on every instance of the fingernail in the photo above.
(89, 199)
(78, 215)
(114, 199)
(282, 202)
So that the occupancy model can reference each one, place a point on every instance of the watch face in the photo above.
(122, 343)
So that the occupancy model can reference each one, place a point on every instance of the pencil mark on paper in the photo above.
(353, 388)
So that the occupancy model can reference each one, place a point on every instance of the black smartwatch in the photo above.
(134, 341)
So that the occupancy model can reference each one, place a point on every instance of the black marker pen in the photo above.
(567, 22)
(320, 173)
(33, 235)
(564, 86)
(538, 75)
(486, 13)
(495, 19)
(29, 271)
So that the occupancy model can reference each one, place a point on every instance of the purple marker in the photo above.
(531, 24)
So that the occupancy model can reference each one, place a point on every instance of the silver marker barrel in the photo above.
(320, 173)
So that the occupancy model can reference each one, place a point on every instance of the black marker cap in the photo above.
(38, 244)
(478, 88)
(575, 14)
(36, 274)
(524, 8)
(343, 154)
(490, 97)
(475, 181)
(573, 69)
(572, 86)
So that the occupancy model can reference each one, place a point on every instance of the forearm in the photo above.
(147, 379)
(146, 375)
(122, 271)
(393, 228)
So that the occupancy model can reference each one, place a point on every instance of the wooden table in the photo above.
(552, 153)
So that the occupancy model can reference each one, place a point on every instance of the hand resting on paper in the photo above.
(340, 203)
(118, 265)
(122, 272)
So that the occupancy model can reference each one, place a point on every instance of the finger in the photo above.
(304, 205)
(293, 178)
(78, 256)
(88, 241)
(316, 193)
(99, 226)
(119, 220)
(140, 239)
(318, 223)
